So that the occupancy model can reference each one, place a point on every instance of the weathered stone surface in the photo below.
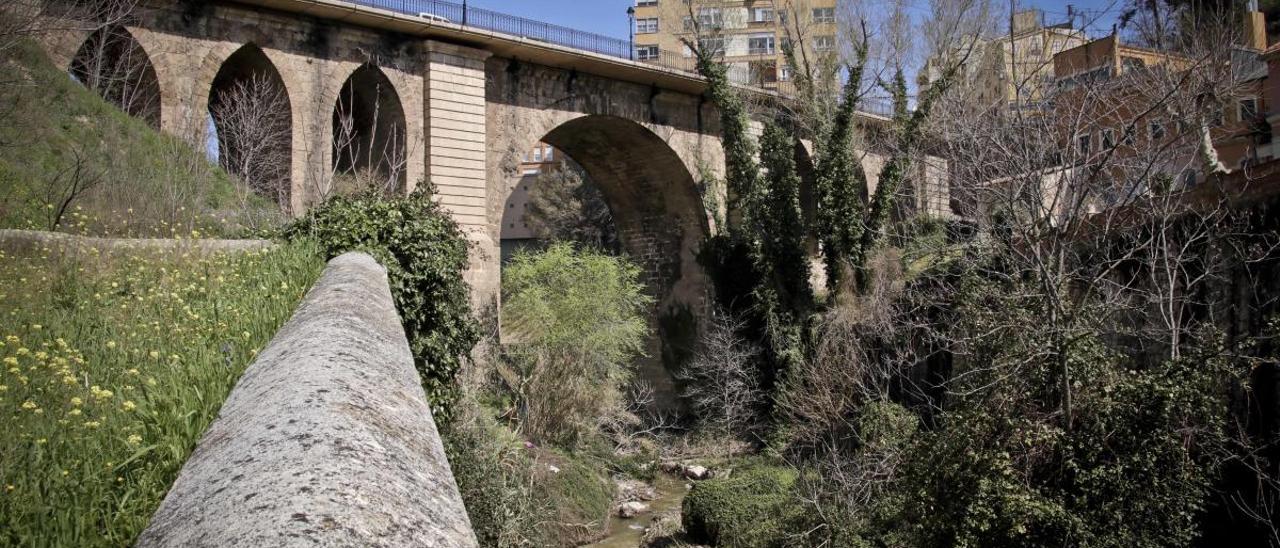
(327, 440)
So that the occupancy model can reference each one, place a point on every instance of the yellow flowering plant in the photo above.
(113, 367)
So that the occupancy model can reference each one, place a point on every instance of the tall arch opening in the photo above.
(369, 147)
(660, 223)
(113, 64)
(251, 124)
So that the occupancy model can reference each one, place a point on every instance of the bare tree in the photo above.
(721, 380)
(255, 137)
(69, 184)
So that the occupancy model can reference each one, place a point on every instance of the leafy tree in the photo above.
(565, 206)
(574, 320)
(425, 254)
(841, 183)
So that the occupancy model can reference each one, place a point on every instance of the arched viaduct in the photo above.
(418, 100)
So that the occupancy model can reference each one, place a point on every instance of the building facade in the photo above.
(515, 234)
(749, 35)
(1015, 69)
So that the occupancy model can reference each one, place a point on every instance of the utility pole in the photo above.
(464, 13)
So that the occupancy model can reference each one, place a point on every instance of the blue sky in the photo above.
(609, 17)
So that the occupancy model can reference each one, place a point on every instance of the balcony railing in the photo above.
(460, 14)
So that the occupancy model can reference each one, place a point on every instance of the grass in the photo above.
(113, 366)
(152, 184)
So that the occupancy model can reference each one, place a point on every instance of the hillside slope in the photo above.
(147, 183)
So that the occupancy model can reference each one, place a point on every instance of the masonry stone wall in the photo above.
(188, 42)
(469, 117)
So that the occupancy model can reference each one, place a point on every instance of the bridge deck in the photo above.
(518, 38)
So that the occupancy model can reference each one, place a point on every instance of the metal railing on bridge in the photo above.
(462, 14)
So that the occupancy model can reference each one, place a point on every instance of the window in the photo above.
(1215, 117)
(1108, 139)
(537, 154)
(713, 45)
(762, 44)
(824, 15)
(646, 3)
(764, 72)
(761, 15)
(531, 171)
(1155, 130)
(1084, 144)
(1131, 63)
(688, 23)
(784, 73)
(647, 53)
(710, 17)
(824, 43)
(648, 25)
(547, 155)
(1247, 109)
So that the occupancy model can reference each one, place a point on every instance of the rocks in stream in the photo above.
(629, 490)
(696, 472)
(632, 509)
(686, 470)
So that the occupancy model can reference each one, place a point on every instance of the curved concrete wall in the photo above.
(327, 440)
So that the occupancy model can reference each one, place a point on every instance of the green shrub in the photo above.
(494, 474)
(580, 495)
(574, 321)
(425, 254)
(751, 507)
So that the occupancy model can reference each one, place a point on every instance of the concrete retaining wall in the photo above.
(327, 440)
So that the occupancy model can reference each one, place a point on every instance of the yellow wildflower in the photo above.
(92, 424)
(111, 344)
(74, 412)
(29, 405)
(128, 405)
(134, 439)
(11, 360)
(76, 401)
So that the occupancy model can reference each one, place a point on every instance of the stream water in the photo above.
(627, 532)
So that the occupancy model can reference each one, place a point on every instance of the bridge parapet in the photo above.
(327, 439)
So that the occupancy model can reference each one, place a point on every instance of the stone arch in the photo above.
(252, 117)
(661, 222)
(114, 64)
(369, 130)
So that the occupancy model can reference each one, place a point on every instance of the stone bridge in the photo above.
(414, 99)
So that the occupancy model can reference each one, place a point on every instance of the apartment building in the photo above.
(748, 34)
(1012, 69)
(1115, 106)
(515, 233)
(1110, 83)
